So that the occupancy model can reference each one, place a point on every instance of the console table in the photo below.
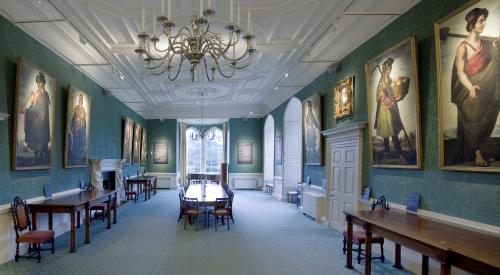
(468, 249)
(72, 204)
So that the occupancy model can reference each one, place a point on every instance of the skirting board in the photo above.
(245, 180)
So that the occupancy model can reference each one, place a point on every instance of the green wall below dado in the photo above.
(105, 119)
(160, 131)
(246, 130)
(468, 195)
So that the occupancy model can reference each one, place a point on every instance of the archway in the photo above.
(292, 141)
(269, 150)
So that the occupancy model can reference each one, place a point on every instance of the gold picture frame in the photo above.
(128, 132)
(76, 141)
(394, 107)
(312, 124)
(144, 147)
(468, 120)
(136, 151)
(33, 124)
(343, 98)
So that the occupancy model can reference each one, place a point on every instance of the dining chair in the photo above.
(192, 210)
(220, 211)
(34, 238)
(182, 212)
(230, 205)
(129, 192)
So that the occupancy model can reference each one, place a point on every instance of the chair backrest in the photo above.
(221, 203)
(20, 214)
(298, 188)
(231, 197)
(191, 203)
(82, 184)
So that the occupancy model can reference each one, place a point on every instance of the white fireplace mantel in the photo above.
(105, 165)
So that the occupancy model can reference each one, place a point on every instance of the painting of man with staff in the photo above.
(468, 51)
(392, 85)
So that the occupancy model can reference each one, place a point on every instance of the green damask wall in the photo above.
(105, 121)
(162, 131)
(473, 196)
(246, 130)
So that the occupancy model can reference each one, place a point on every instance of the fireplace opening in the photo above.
(108, 180)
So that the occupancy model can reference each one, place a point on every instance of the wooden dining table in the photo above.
(206, 193)
(73, 204)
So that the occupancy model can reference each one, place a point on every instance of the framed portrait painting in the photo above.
(33, 129)
(343, 98)
(394, 107)
(245, 152)
(467, 61)
(312, 129)
(128, 131)
(136, 154)
(161, 153)
(144, 148)
(278, 150)
(77, 128)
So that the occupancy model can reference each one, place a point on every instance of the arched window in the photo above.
(204, 155)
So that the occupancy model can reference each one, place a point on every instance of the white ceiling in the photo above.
(298, 37)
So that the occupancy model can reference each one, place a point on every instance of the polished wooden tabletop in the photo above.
(474, 244)
(206, 193)
(141, 178)
(74, 199)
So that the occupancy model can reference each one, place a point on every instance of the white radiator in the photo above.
(313, 204)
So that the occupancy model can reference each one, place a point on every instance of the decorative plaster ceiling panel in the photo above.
(287, 33)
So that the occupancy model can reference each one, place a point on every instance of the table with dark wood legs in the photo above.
(73, 204)
(472, 250)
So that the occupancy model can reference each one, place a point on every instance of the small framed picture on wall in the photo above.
(161, 152)
(245, 152)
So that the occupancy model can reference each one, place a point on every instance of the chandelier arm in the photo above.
(227, 58)
(242, 66)
(206, 71)
(178, 70)
(148, 65)
(222, 73)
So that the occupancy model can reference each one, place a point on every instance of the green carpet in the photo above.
(268, 237)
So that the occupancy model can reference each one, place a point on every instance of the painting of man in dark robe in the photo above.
(393, 107)
(77, 128)
(34, 116)
(312, 129)
(470, 57)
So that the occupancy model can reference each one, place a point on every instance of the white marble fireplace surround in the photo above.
(105, 165)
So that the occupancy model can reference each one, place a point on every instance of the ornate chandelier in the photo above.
(201, 132)
(167, 50)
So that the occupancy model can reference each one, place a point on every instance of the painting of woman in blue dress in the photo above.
(77, 128)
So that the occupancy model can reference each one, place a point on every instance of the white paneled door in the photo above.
(292, 166)
(344, 171)
(269, 149)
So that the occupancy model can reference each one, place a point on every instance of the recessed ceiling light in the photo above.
(122, 77)
(276, 88)
(251, 113)
(286, 75)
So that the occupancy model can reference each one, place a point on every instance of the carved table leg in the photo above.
(425, 264)
(87, 224)
(397, 256)
(72, 234)
(108, 212)
(115, 202)
(368, 252)
(349, 244)
(78, 219)
(51, 223)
